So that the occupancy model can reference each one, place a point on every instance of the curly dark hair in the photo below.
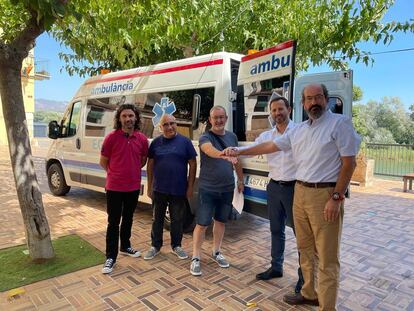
(117, 122)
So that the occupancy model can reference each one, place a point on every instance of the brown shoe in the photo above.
(298, 299)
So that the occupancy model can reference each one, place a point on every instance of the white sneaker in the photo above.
(195, 268)
(108, 266)
(221, 260)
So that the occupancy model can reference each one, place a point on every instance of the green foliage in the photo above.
(357, 93)
(412, 112)
(358, 119)
(384, 122)
(16, 15)
(72, 254)
(125, 34)
(47, 116)
(11, 23)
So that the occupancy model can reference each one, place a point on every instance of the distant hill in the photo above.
(42, 104)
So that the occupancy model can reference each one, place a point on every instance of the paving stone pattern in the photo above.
(377, 271)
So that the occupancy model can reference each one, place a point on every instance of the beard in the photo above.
(280, 119)
(128, 125)
(315, 112)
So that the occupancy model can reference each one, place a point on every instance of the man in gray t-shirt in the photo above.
(216, 187)
(215, 174)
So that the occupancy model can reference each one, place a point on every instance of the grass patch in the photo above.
(72, 254)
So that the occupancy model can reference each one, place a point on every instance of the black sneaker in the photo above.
(131, 252)
(108, 266)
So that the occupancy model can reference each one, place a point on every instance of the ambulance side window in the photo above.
(183, 103)
(99, 120)
(336, 105)
(70, 121)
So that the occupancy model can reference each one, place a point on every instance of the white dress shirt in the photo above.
(281, 165)
(318, 145)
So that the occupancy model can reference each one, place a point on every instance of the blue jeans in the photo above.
(215, 205)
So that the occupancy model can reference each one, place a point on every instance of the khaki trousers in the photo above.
(317, 237)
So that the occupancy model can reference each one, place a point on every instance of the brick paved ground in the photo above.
(377, 257)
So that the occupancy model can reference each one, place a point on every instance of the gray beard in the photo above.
(315, 114)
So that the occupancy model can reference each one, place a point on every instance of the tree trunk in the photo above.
(30, 198)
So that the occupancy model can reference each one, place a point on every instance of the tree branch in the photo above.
(25, 41)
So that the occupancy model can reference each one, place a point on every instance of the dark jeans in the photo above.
(176, 207)
(119, 204)
(279, 206)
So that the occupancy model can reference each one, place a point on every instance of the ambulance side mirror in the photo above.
(54, 130)
(196, 111)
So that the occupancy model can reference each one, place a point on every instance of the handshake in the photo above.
(230, 154)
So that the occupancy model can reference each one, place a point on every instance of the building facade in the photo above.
(28, 75)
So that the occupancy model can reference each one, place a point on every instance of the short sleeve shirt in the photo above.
(216, 174)
(317, 147)
(171, 156)
(124, 155)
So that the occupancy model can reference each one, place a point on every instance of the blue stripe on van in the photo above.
(90, 166)
(255, 195)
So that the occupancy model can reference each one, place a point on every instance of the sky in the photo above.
(390, 75)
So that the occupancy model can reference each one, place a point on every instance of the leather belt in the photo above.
(284, 183)
(317, 184)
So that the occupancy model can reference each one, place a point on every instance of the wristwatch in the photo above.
(336, 196)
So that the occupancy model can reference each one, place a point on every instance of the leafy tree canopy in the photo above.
(412, 112)
(386, 121)
(123, 34)
(357, 93)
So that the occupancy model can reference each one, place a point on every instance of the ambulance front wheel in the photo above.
(188, 220)
(56, 180)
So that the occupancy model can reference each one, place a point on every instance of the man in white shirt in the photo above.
(282, 173)
(324, 149)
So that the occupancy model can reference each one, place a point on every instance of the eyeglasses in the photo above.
(317, 97)
(219, 117)
(169, 124)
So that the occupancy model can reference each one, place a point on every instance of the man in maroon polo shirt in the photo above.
(123, 154)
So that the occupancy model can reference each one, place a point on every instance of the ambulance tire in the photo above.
(188, 223)
(56, 180)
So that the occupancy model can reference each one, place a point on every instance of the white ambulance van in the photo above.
(187, 88)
